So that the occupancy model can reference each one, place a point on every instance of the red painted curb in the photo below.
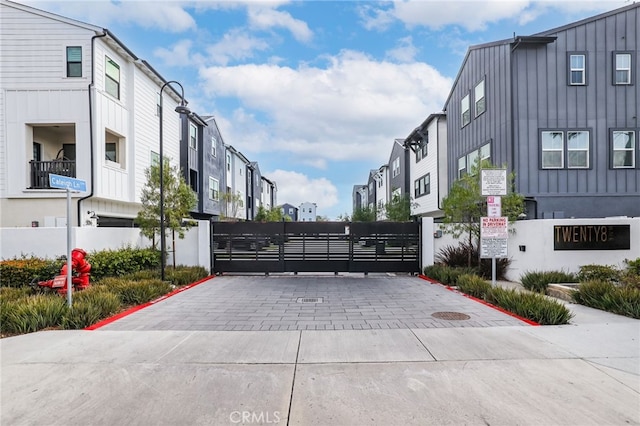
(144, 305)
(497, 308)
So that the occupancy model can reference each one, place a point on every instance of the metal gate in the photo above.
(315, 247)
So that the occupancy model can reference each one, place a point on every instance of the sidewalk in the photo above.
(585, 373)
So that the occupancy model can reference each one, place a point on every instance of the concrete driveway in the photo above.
(586, 373)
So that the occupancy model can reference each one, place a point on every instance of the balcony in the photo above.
(40, 170)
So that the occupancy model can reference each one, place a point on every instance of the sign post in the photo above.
(493, 228)
(75, 185)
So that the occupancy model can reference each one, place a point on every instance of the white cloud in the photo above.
(176, 56)
(235, 45)
(352, 109)
(264, 18)
(296, 188)
(473, 15)
(404, 52)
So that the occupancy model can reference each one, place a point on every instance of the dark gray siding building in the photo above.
(191, 162)
(290, 211)
(213, 166)
(560, 108)
(399, 168)
(254, 189)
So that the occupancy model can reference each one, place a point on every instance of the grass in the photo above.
(604, 295)
(538, 281)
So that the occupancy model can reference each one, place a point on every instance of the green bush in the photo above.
(19, 272)
(81, 315)
(136, 292)
(115, 263)
(458, 256)
(538, 281)
(105, 302)
(446, 274)
(604, 295)
(474, 285)
(532, 306)
(184, 275)
(598, 272)
(633, 266)
(32, 314)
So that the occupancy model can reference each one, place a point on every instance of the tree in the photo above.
(343, 217)
(464, 206)
(179, 200)
(272, 215)
(364, 214)
(231, 204)
(399, 208)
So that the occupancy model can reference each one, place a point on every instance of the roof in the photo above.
(238, 153)
(413, 136)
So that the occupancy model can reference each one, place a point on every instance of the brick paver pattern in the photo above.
(349, 302)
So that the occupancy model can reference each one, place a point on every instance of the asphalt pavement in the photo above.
(474, 365)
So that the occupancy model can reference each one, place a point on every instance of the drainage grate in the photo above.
(452, 316)
(310, 299)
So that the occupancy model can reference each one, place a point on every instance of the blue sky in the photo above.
(316, 91)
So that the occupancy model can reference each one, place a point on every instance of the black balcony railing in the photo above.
(40, 171)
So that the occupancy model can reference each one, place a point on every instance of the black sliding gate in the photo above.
(315, 247)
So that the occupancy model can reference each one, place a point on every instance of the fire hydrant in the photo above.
(79, 281)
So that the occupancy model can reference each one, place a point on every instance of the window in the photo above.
(74, 61)
(114, 149)
(214, 189)
(578, 150)
(228, 162)
(422, 186)
(112, 78)
(624, 149)
(37, 151)
(479, 98)
(473, 159)
(193, 136)
(111, 152)
(380, 182)
(577, 70)
(552, 150)
(422, 150)
(214, 143)
(622, 74)
(462, 166)
(193, 180)
(290, 210)
(155, 158)
(485, 152)
(371, 188)
(395, 169)
(465, 113)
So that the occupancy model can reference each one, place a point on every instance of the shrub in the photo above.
(446, 274)
(633, 266)
(184, 275)
(115, 263)
(105, 302)
(538, 281)
(32, 314)
(532, 306)
(20, 272)
(598, 272)
(474, 285)
(604, 295)
(459, 257)
(136, 292)
(82, 314)
(14, 293)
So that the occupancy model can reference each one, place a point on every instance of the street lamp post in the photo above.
(180, 109)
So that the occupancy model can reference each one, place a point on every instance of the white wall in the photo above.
(539, 255)
(51, 243)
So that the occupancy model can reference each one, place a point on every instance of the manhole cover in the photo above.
(455, 316)
(310, 299)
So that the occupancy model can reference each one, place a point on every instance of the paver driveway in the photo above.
(348, 302)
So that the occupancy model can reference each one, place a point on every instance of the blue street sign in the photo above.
(66, 182)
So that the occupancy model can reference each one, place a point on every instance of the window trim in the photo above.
(464, 111)
(614, 57)
(193, 139)
(570, 69)
(395, 167)
(109, 78)
(68, 62)
(635, 149)
(214, 148)
(541, 150)
(484, 97)
(565, 148)
(212, 191)
(588, 166)
(423, 182)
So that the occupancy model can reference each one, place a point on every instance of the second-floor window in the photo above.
(422, 150)
(74, 61)
(193, 136)
(578, 150)
(422, 186)
(112, 78)
(214, 189)
(552, 150)
(395, 169)
(577, 70)
(623, 149)
(556, 154)
(478, 92)
(622, 62)
(214, 142)
(465, 114)
(228, 162)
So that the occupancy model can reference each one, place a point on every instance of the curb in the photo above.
(130, 311)
(497, 308)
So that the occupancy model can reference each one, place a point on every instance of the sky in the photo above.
(317, 91)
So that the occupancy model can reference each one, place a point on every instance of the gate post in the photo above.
(427, 249)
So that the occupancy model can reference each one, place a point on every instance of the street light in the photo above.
(180, 109)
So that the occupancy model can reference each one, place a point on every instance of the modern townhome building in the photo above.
(254, 190)
(191, 156)
(371, 189)
(399, 169)
(307, 212)
(213, 176)
(382, 191)
(359, 196)
(268, 193)
(428, 165)
(75, 101)
(236, 166)
(290, 211)
(560, 109)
